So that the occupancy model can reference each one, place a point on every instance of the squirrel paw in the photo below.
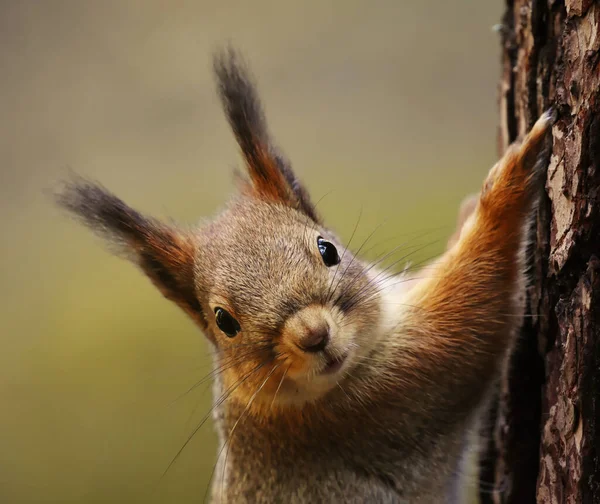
(511, 182)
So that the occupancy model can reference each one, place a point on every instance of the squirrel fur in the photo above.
(335, 381)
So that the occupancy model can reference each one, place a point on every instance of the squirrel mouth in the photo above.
(334, 364)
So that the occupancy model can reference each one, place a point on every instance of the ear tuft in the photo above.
(104, 213)
(271, 175)
(165, 253)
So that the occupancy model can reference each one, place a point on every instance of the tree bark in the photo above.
(546, 440)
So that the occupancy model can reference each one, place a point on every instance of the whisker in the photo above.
(416, 236)
(352, 261)
(279, 386)
(344, 253)
(370, 266)
(322, 198)
(232, 431)
(342, 389)
(193, 412)
(232, 362)
(375, 282)
(313, 226)
(220, 401)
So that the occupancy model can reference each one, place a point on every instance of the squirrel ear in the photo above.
(270, 173)
(164, 253)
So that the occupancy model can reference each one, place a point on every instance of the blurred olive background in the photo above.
(388, 107)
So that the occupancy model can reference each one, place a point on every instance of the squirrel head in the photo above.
(288, 309)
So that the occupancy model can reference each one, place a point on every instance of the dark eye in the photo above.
(328, 252)
(226, 322)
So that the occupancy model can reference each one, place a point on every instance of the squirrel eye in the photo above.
(226, 322)
(328, 252)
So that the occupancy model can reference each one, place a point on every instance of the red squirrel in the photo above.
(335, 381)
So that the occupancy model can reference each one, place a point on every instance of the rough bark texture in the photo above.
(547, 435)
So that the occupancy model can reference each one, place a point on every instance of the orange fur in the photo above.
(463, 315)
(268, 182)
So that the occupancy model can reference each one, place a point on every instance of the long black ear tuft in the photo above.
(271, 174)
(163, 252)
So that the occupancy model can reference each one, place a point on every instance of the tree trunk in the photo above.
(546, 441)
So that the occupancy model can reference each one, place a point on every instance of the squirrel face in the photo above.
(278, 288)
(284, 303)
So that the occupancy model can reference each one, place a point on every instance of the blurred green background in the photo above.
(388, 106)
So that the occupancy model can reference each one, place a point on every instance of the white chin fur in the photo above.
(392, 294)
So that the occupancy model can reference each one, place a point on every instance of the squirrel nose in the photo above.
(315, 338)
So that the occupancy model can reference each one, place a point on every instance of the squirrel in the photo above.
(335, 381)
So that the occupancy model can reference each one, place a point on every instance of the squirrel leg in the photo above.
(460, 321)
